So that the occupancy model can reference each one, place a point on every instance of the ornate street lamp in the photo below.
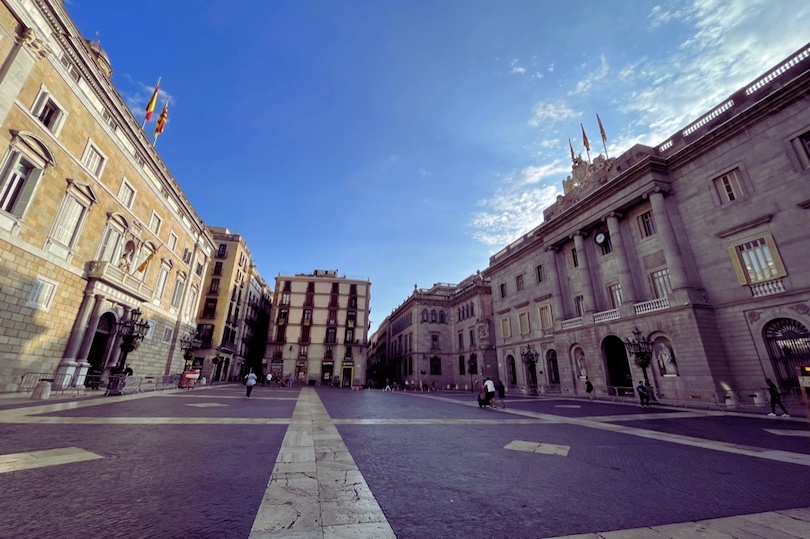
(188, 343)
(132, 331)
(530, 356)
(641, 348)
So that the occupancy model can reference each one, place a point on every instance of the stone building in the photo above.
(92, 224)
(320, 326)
(698, 245)
(226, 305)
(438, 337)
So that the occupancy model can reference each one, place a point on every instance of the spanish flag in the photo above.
(145, 263)
(585, 139)
(571, 147)
(601, 129)
(150, 107)
(161, 123)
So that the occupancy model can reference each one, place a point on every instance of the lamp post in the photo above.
(132, 331)
(641, 349)
(530, 356)
(188, 343)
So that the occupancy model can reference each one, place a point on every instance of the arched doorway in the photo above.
(511, 371)
(100, 348)
(553, 369)
(788, 343)
(618, 367)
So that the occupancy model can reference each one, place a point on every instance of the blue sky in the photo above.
(407, 141)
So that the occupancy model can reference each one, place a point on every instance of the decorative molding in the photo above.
(744, 226)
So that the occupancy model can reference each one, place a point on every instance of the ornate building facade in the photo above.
(440, 336)
(93, 227)
(692, 253)
(319, 329)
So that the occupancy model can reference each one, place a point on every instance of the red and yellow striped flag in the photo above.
(601, 129)
(150, 107)
(585, 139)
(571, 147)
(146, 261)
(162, 119)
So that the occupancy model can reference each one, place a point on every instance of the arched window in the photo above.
(424, 315)
(433, 316)
(459, 313)
(472, 309)
(442, 317)
(788, 343)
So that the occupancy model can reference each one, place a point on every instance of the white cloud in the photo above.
(518, 70)
(508, 215)
(551, 112)
(550, 143)
(599, 74)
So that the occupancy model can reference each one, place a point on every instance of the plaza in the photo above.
(324, 462)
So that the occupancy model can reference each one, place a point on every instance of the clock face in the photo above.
(600, 238)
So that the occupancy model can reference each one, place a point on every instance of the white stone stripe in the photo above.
(787, 524)
(14, 462)
(316, 489)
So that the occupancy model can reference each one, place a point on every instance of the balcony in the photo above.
(606, 316)
(767, 288)
(572, 323)
(114, 276)
(658, 304)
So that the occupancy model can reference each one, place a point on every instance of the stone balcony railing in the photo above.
(658, 304)
(767, 288)
(114, 276)
(572, 323)
(606, 316)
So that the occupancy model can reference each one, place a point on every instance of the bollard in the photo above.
(42, 391)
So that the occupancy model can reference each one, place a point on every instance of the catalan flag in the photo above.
(571, 147)
(601, 129)
(150, 107)
(161, 122)
(585, 139)
(145, 263)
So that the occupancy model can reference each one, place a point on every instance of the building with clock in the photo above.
(680, 265)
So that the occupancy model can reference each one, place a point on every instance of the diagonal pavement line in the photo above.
(14, 462)
(316, 489)
(714, 445)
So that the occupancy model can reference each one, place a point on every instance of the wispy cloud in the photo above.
(519, 70)
(508, 214)
(599, 74)
(550, 112)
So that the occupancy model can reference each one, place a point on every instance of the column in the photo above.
(77, 332)
(557, 308)
(672, 253)
(585, 275)
(92, 326)
(625, 279)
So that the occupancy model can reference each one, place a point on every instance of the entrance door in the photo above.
(531, 368)
(553, 370)
(618, 368)
(99, 349)
(326, 372)
(347, 377)
(788, 343)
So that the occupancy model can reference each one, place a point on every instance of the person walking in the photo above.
(776, 398)
(589, 388)
(289, 380)
(501, 393)
(489, 387)
(643, 396)
(251, 381)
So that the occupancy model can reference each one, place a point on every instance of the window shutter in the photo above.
(27, 192)
(777, 260)
(736, 263)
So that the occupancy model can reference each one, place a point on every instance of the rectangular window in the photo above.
(506, 328)
(546, 321)
(519, 282)
(126, 194)
(461, 340)
(646, 224)
(538, 273)
(68, 221)
(615, 293)
(436, 366)
(662, 287)
(41, 294)
(760, 260)
(172, 241)
(21, 172)
(217, 268)
(154, 223)
(160, 287)
(49, 112)
(728, 187)
(472, 338)
(214, 286)
(186, 256)
(302, 350)
(606, 246)
(503, 290)
(331, 335)
(177, 295)
(462, 365)
(523, 323)
(167, 334)
(222, 252)
(574, 257)
(434, 341)
(579, 305)
(94, 160)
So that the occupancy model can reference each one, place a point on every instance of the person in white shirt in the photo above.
(489, 385)
(251, 381)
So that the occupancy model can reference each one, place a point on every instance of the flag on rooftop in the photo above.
(601, 129)
(150, 107)
(585, 139)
